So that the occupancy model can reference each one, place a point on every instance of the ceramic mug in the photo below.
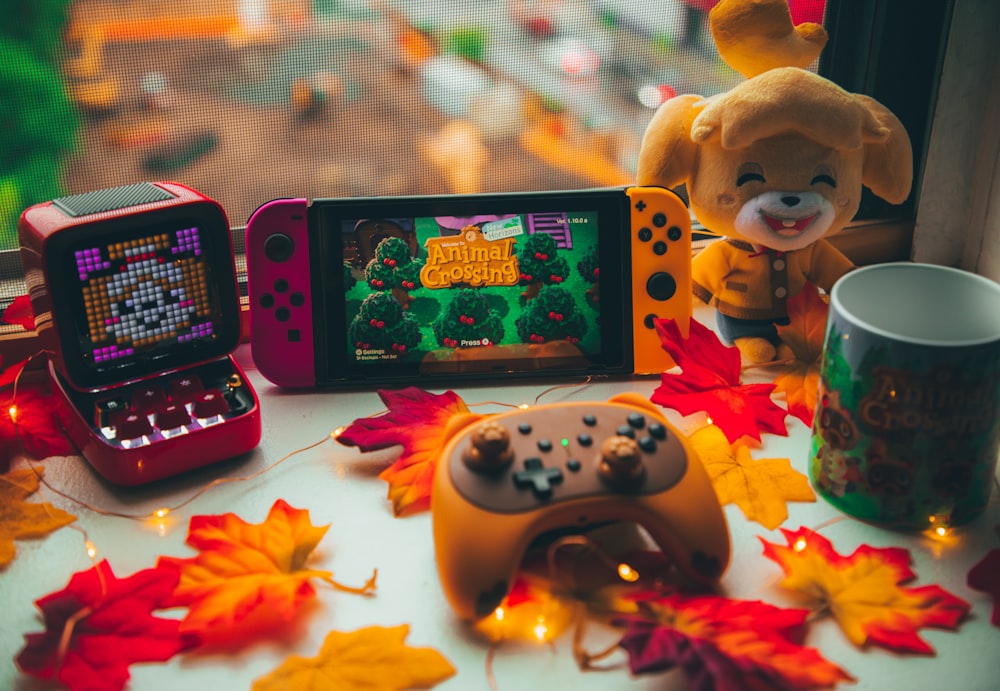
(906, 433)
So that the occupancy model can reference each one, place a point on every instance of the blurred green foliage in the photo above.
(38, 122)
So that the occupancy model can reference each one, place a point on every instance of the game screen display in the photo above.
(447, 294)
(140, 302)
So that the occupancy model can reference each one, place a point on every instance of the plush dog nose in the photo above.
(790, 200)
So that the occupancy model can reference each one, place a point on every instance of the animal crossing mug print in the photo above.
(907, 432)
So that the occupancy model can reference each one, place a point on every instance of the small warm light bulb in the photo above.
(627, 573)
(524, 406)
(541, 630)
(799, 545)
(499, 613)
(161, 513)
(941, 531)
(337, 432)
(91, 549)
(12, 411)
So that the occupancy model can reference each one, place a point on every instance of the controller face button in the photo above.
(524, 428)
(621, 462)
(636, 420)
(661, 286)
(282, 314)
(659, 248)
(674, 233)
(647, 444)
(538, 478)
(659, 219)
(489, 448)
(573, 465)
(645, 234)
(584, 439)
(658, 431)
(589, 420)
(297, 299)
(266, 301)
(544, 445)
(280, 285)
(626, 431)
(279, 247)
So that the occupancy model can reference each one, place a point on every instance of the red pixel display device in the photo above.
(135, 301)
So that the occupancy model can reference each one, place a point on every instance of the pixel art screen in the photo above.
(143, 296)
(442, 289)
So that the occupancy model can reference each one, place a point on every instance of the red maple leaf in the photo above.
(99, 625)
(19, 313)
(726, 645)
(417, 421)
(985, 577)
(30, 419)
(709, 381)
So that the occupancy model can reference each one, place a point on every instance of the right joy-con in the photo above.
(661, 272)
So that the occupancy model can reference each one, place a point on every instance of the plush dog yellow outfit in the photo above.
(775, 164)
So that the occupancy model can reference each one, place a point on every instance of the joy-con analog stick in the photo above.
(279, 247)
(488, 449)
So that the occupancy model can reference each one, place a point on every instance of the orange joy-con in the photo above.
(661, 272)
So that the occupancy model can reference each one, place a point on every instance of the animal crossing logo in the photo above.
(469, 259)
(937, 403)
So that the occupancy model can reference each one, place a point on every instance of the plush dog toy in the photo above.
(773, 165)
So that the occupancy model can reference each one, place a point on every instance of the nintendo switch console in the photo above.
(135, 301)
(505, 480)
(358, 292)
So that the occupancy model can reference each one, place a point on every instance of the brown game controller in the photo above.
(504, 480)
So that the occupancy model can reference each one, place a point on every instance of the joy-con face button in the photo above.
(645, 234)
(661, 286)
(281, 286)
(296, 299)
(659, 219)
(282, 314)
(659, 248)
(279, 247)
(674, 233)
(266, 301)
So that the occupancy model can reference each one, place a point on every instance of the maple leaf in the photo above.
(245, 569)
(99, 625)
(985, 577)
(804, 334)
(416, 420)
(35, 425)
(20, 519)
(863, 592)
(710, 381)
(19, 313)
(726, 645)
(374, 658)
(759, 487)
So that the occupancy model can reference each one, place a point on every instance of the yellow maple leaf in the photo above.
(374, 658)
(760, 487)
(245, 568)
(20, 519)
(864, 591)
(804, 335)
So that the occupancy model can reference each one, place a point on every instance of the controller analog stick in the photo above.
(621, 462)
(278, 247)
(489, 448)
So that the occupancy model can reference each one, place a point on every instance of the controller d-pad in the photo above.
(640, 205)
(539, 478)
(661, 286)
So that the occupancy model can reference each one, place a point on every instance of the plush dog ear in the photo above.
(667, 156)
(888, 167)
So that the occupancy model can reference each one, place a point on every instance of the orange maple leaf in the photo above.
(375, 658)
(417, 421)
(804, 335)
(759, 487)
(863, 592)
(20, 519)
(244, 569)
